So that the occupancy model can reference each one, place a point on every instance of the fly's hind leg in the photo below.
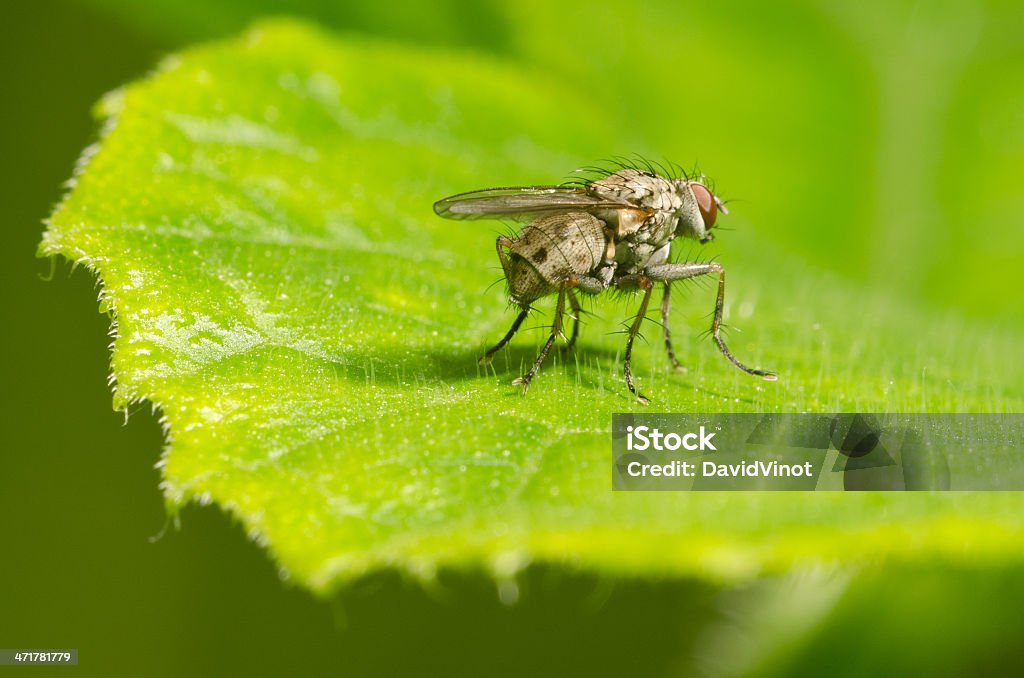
(502, 244)
(556, 330)
(666, 306)
(576, 311)
(670, 272)
(486, 358)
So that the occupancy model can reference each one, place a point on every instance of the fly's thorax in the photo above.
(551, 249)
(639, 188)
(635, 250)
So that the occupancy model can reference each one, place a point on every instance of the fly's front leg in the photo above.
(644, 283)
(670, 272)
(666, 306)
(556, 329)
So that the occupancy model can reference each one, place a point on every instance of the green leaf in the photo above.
(259, 211)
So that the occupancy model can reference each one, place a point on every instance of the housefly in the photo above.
(612, 232)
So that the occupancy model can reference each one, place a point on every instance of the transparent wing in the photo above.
(521, 202)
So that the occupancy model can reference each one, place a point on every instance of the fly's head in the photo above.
(699, 210)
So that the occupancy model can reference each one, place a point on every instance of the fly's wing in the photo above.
(522, 202)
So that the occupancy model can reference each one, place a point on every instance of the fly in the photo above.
(612, 232)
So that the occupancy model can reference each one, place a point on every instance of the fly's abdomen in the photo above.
(552, 249)
(562, 245)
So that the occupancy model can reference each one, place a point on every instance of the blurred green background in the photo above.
(883, 142)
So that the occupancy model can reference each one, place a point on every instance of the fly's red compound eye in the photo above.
(706, 202)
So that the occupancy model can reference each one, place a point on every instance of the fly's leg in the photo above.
(574, 306)
(666, 306)
(502, 244)
(556, 329)
(716, 331)
(590, 285)
(644, 283)
(670, 272)
(486, 358)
